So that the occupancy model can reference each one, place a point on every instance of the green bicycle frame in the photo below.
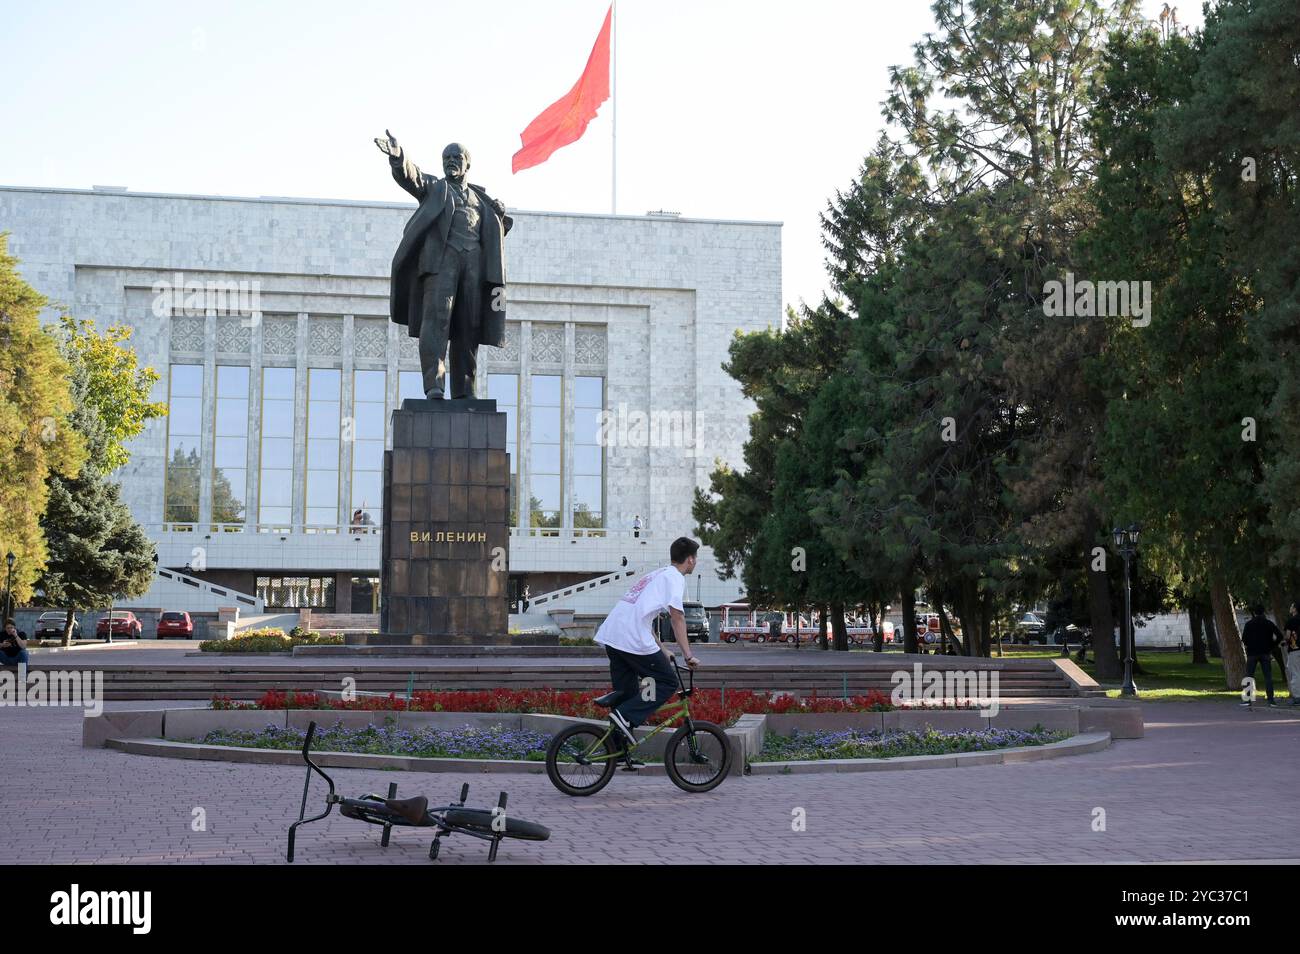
(683, 710)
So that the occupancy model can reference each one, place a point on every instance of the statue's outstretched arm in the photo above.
(405, 172)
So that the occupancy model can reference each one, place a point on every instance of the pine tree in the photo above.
(97, 552)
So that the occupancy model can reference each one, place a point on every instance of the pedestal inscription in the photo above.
(446, 525)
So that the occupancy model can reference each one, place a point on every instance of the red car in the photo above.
(175, 624)
(124, 624)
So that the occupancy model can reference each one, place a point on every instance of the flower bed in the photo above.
(498, 742)
(710, 705)
(270, 640)
(852, 744)
(467, 742)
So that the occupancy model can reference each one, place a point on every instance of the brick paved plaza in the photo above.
(1209, 782)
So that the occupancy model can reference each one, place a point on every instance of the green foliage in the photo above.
(97, 552)
(112, 391)
(1198, 195)
(931, 424)
(38, 440)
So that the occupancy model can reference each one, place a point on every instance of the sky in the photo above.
(735, 109)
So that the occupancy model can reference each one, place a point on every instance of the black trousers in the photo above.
(1266, 661)
(451, 315)
(626, 672)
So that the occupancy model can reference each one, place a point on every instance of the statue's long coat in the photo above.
(433, 220)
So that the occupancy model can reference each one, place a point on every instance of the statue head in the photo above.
(455, 161)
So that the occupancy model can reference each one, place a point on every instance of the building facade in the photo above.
(267, 320)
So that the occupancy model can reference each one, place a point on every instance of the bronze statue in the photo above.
(449, 273)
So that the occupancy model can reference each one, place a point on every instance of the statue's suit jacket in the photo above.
(432, 222)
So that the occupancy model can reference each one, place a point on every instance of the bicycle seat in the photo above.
(608, 700)
(414, 810)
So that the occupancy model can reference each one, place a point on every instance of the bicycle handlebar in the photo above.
(684, 669)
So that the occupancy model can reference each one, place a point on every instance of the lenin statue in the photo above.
(449, 273)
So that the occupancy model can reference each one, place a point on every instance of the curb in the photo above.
(162, 748)
(1081, 744)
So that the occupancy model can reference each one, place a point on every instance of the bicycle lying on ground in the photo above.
(581, 759)
(487, 824)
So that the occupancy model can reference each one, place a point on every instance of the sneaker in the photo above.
(1244, 705)
(622, 729)
(624, 741)
(1272, 704)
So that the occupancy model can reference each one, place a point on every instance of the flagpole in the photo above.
(613, 95)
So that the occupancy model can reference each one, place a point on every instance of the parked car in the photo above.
(124, 624)
(1030, 628)
(175, 624)
(697, 623)
(50, 625)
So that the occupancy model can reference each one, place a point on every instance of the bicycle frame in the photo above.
(683, 711)
(372, 810)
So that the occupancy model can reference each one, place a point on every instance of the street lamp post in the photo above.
(9, 585)
(1126, 545)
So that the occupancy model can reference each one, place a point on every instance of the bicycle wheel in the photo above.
(480, 819)
(698, 758)
(567, 764)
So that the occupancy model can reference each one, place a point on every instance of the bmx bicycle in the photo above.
(487, 824)
(582, 758)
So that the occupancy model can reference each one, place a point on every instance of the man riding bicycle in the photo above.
(635, 659)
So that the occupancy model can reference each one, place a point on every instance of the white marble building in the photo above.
(266, 475)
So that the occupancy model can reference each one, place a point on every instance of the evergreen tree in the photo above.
(97, 552)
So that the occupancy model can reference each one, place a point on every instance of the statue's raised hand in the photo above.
(388, 146)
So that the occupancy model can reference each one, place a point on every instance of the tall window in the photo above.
(546, 416)
(275, 499)
(184, 432)
(504, 389)
(230, 464)
(323, 446)
(367, 448)
(588, 456)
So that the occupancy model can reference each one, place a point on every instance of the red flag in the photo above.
(565, 120)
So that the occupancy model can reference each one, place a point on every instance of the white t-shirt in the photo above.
(627, 627)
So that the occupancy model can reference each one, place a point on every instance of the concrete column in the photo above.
(566, 430)
(525, 425)
(300, 424)
(347, 406)
(254, 429)
(207, 456)
(392, 356)
(343, 591)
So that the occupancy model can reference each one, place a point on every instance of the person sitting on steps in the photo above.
(13, 645)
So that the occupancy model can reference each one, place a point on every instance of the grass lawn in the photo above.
(1171, 676)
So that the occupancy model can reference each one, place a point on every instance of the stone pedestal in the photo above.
(446, 541)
